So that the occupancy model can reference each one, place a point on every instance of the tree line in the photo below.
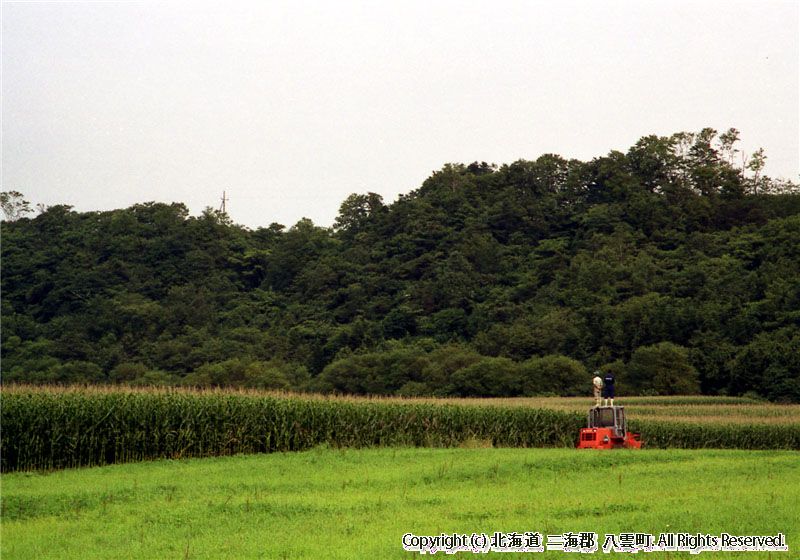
(670, 264)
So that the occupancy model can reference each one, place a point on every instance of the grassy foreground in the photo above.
(358, 503)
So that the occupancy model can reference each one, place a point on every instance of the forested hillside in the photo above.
(669, 265)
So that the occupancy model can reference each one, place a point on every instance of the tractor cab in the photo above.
(607, 429)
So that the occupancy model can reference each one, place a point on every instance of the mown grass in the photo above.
(348, 503)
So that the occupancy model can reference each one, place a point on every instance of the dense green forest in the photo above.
(669, 265)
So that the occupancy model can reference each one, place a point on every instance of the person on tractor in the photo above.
(608, 388)
(597, 383)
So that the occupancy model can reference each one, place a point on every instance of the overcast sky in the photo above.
(291, 106)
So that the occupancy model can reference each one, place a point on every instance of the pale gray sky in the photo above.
(291, 106)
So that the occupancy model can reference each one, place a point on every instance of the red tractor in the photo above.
(608, 429)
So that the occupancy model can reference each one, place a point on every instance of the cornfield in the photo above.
(62, 428)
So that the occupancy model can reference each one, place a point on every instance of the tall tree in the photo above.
(14, 205)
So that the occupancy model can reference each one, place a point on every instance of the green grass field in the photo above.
(348, 503)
